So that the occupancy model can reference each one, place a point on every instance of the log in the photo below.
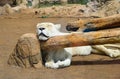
(81, 39)
(95, 24)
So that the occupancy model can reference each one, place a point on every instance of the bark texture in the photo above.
(82, 39)
(95, 24)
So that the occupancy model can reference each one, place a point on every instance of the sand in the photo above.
(83, 67)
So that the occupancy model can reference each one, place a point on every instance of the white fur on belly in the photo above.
(82, 50)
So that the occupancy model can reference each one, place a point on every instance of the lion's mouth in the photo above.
(42, 34)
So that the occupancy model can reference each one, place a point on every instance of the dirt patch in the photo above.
(13, 26)
(109, 8)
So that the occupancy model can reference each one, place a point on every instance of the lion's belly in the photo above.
(82, 50)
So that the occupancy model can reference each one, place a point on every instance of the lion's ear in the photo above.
(58, 26)
(37, 25)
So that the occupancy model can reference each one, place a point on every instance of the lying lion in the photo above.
(62, 57)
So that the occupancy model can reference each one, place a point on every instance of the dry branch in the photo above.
(82, 39)
(98, 23)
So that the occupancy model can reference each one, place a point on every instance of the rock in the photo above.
(3, 2)
(64, 2)
(18, 2)
(27, 52)
(8, 9)
(35, 3)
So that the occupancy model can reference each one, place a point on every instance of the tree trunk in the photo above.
(96, 24)
(82, 39)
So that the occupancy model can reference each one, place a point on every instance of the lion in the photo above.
(58, 58)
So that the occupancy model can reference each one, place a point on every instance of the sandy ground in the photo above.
(83, 67)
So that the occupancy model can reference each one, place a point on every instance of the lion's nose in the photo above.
(41, 29)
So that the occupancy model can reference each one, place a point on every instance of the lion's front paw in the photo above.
(114, 53)
(67, 62)
(51, 65)
(64, 63)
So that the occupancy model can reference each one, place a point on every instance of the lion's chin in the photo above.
(42, 38)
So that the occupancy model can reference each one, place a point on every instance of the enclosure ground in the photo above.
(83, 67)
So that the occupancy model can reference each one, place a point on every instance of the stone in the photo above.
(27, 52)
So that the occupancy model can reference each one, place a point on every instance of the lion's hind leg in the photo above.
(109, 52)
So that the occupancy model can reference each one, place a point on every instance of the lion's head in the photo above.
(46, 30)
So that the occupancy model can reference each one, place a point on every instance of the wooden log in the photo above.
(81, 39)
(95, 24)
